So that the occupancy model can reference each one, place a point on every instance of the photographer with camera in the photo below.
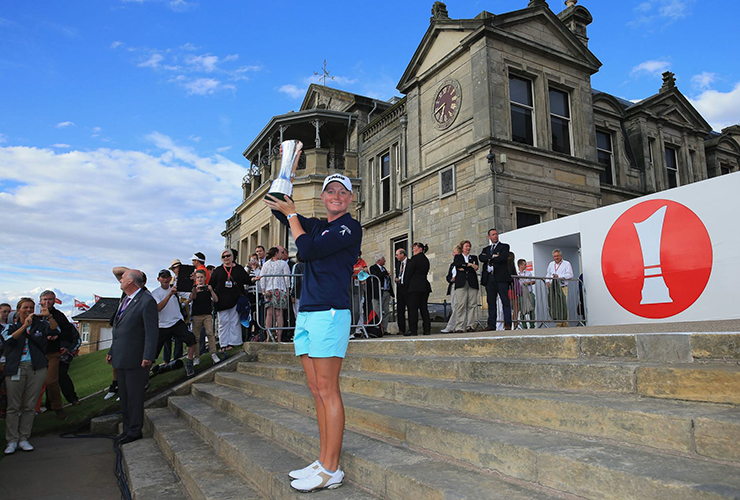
(25, 368)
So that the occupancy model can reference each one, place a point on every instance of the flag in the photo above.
(57, 300)
(81, 305)
(97, 298)
(530, 266)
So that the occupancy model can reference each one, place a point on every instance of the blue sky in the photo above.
(122, 122)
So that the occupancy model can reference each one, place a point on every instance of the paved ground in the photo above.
(61, 469)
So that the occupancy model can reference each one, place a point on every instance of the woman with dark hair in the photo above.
(418, 290)
(275, 289)
(25, 369)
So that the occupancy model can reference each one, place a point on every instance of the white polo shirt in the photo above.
(170, 314)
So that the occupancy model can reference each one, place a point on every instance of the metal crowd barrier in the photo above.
(538, 302)
(365, 319)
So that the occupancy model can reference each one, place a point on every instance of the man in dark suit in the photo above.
(401, 294)
(418, 290)
(133, 349)
(496, 278)
(383, 302)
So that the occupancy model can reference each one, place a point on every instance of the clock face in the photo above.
(446, 104)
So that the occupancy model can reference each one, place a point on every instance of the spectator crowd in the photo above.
(202, 308)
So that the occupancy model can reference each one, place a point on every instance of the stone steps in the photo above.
(204, 475)
(678, 426)
(717, 383)
(611, 417)
(684, 347)
(565, 463)
(150, 475)
(388, 470)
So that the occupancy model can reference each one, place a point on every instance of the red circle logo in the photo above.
(657, 258)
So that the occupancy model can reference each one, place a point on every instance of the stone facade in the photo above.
(499, 127)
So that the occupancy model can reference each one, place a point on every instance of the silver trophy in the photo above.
(290, 152)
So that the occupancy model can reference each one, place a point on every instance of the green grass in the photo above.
(90, 374)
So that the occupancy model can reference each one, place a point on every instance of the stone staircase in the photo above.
(529, 417)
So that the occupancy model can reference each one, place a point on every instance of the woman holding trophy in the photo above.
(329, 249)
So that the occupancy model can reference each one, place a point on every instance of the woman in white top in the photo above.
(275, 289)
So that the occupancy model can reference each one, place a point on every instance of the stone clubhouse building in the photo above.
(498, 126)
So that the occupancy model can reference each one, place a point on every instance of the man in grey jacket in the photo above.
(135, 334)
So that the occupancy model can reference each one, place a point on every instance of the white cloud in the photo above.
(175, 5)
(199, 74)
(720, 109)
(292, 90)
(85, 211)
(61, 145)
(206, 63)
(3, 138)
(116, 44)
(658, 13)
(650, 68)
(153, 61)
(203, 86)
(194, 138)
(65, 124)
(674, 9)
(223, 149)
(703, 80)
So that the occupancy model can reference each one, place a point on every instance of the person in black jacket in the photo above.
(69, 342)
(25, 369)
(401, 293)
(381, 304)
(451, 274)
(230, 282)
(47, 299)
(418, 289)
(466, 288)
(496, 278)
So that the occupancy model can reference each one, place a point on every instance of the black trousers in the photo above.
(502, 290)
(401, 306)
(66, 384)
(178, 331)
(131, 389)
(417, 303)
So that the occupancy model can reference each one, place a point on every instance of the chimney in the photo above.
(669, 81)
(439, 12)
(576, 19)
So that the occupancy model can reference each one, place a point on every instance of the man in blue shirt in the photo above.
(329, 249)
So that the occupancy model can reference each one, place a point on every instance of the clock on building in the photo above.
(447, 104)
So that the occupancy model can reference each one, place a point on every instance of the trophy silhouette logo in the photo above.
(657, 258)
(290, 152)
(649, 234)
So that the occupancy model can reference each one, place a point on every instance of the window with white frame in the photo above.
(447, 181)
(85, 332)
(385, 183)
(671, 167)
(560, 121)
(522, 110)
(605, 155)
